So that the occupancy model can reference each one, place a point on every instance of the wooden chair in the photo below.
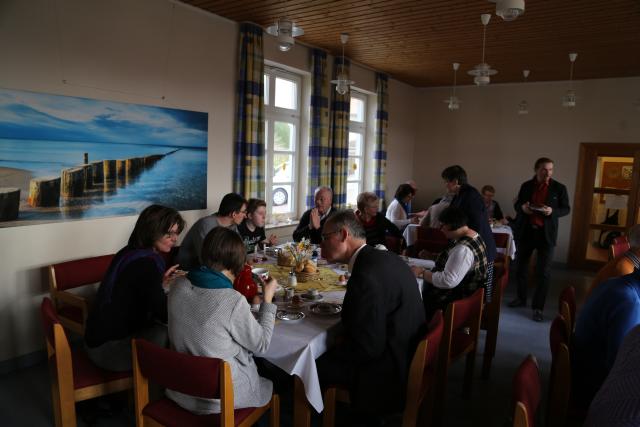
(491, 317)
(567, 308)
(193, 375)
(460, 338)
(526, 393)
(73, 309)
(503, 242)
(560, 377)
(73, 376)
(430, 239)
(419, 385)
(394, 244)
(619, 246)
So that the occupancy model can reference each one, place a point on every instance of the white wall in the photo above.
(497, 146)
(136, 52)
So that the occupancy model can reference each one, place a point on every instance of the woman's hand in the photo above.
(273, 240)
(171, 274)
(269, 289)
(417, 271)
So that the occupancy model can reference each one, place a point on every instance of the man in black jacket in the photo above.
(541, 201)
(382, 318)
(312, 221)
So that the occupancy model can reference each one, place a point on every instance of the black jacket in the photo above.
(470, 201)
(383, 319)
(303, 230)
(557, 199)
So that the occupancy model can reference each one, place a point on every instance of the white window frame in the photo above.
(277, 114)
(359, 128)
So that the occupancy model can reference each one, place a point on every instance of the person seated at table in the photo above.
(375, 225)
(131, 301)
(460, 269)
(252, 228)
(494, 213)
(382, 319)
(312, 221)
(612, 310)
(231, 213)
(626, 263)
(431, 218)
(397, 212)
(207, 317)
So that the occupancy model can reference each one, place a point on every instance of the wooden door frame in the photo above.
(583, 197)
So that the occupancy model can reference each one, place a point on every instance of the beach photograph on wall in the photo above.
(68, 158)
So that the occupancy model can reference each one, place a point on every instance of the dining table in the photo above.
(296, 344)
(410, 235)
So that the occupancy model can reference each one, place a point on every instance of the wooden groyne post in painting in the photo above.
(9, 203)
(44, 192)
(73, 182)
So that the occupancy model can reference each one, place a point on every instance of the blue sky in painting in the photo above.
(31, 115)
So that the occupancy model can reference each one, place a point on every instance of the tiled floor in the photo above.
(25, 395)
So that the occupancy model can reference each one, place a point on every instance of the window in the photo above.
(282, 129)
(357, 133)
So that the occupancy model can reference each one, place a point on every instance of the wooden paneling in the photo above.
(416, 41)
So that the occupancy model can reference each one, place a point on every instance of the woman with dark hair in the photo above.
(396, 212)
(131, 301)
(207, 317)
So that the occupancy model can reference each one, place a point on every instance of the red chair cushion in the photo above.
(168, 413)
(86, 373)
(568, 295)
(557, 334)
(467, 309)
(80, 272)
(526, 387)
(71, 312)
(501, 239)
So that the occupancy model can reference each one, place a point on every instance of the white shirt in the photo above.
(352, 260)
(459, 263)
(397, 215)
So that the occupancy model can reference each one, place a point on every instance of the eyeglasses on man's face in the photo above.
(326, 235)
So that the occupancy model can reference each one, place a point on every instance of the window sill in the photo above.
(282, 224)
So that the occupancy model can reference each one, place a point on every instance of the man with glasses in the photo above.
(460, 269)
(312, 221)
(231, 212)
(382, 318)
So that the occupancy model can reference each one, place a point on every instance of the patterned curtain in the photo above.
(380, 148)
(319, 147)
(339, 131)
(248, 177)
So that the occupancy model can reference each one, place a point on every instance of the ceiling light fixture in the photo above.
(453, 103)
(285, 30)
(569, 98)
(523, 106)
(342, 82)
(509, 10)
(483, 71)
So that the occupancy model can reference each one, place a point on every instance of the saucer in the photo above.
(308, 297)
(289, 316)
(326, 308)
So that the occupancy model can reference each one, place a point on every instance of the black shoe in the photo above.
(517, 303)
(537, 315)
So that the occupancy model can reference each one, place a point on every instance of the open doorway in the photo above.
(606, 200)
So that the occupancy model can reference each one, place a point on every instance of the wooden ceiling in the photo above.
(416, 41)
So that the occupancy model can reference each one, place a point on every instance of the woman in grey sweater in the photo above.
(207, 317)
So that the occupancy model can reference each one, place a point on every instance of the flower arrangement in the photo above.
(300, 251)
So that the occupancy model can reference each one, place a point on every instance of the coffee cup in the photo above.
(313, 292)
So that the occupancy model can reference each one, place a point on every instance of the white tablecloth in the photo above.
(295, 346)
(411, 236)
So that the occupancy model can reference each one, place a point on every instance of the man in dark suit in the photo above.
(541, 201)
(382, 317)
(312, 221)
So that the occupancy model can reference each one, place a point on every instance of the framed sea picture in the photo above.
(69, 158)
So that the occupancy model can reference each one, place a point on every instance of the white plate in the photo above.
(330, 309)
(289, 316)
(308, 297)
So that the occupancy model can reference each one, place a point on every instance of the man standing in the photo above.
(382, 318)
(312, 221)
(231, 212)
(541, 201)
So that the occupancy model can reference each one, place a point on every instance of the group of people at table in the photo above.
(193, 307)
